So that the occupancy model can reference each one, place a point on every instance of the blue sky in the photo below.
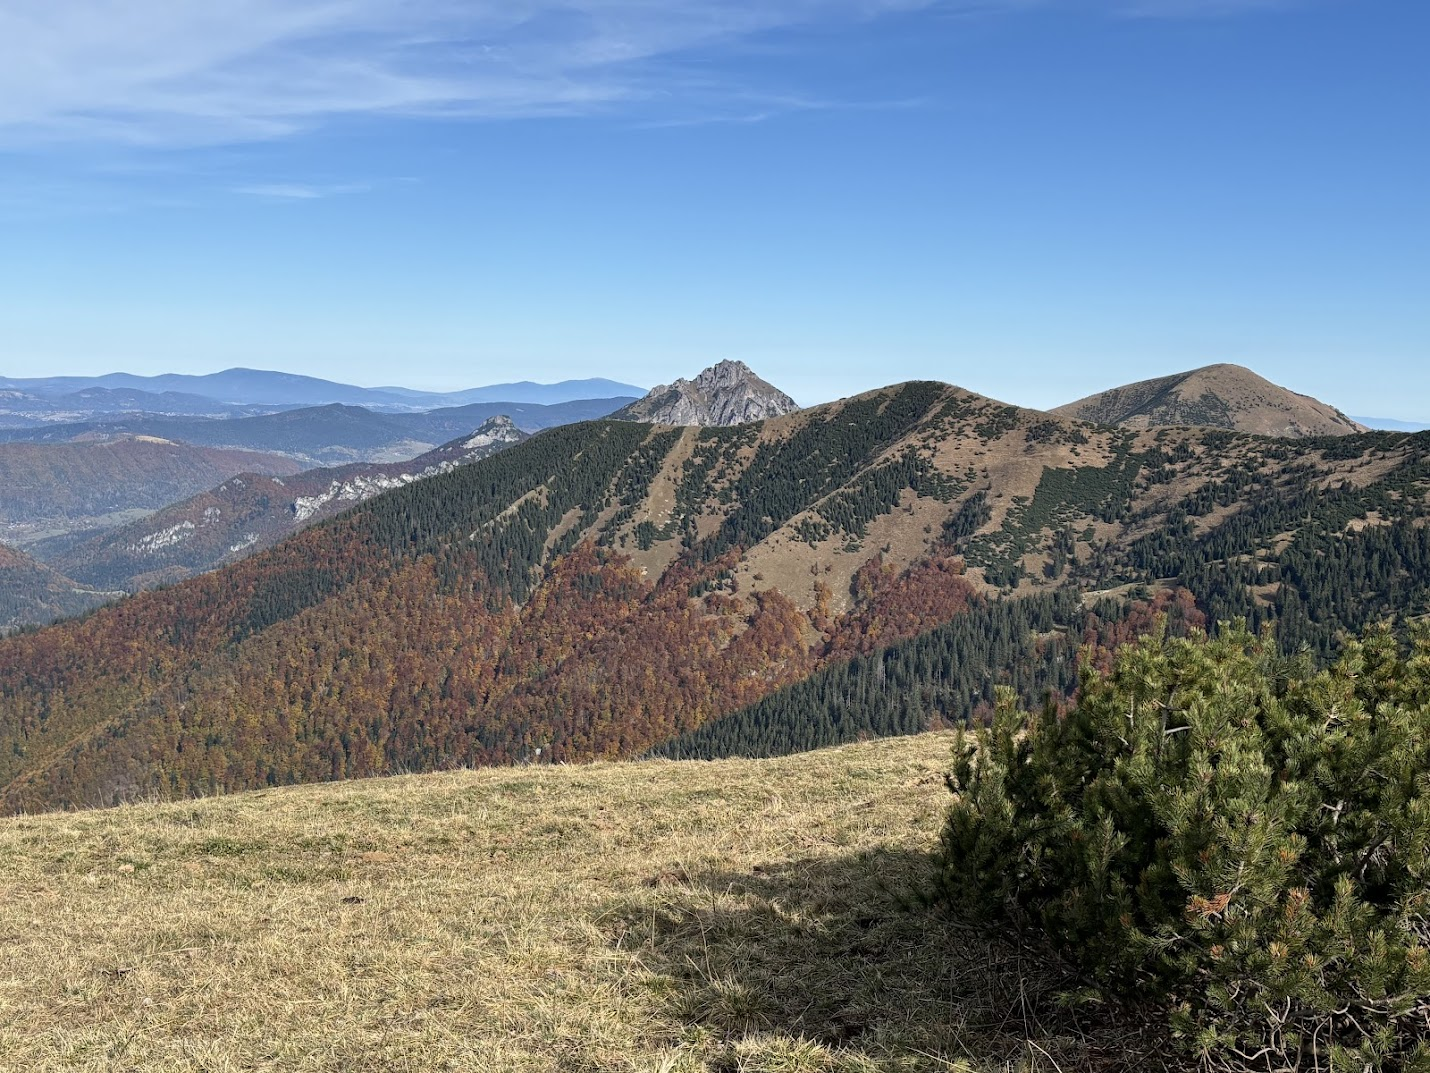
(1035, 199)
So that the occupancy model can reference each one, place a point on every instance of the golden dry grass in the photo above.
(739, 917)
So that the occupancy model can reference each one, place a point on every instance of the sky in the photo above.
(1034, 199)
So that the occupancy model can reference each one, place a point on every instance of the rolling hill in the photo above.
(1217, 396)
(331, 435)
(32, 594)
(606, 588)
(250, 512)
(54, 489)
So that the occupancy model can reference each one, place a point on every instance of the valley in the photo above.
(807, 537)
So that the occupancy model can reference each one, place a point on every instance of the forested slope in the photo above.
(605, 588)
(61, 488)
(251, 512)
(33, 594)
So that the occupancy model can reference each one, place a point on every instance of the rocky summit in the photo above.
(725, 394)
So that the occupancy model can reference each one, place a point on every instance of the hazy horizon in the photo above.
(1033, 200)
(1390, 422)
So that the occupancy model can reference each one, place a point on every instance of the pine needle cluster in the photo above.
(1233, 837)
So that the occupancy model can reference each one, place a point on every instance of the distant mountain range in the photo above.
(237, 389)
(864, 567)
(78, 496)
(1216, 396)
(21, 408)
(1390, 424)
(329, 435)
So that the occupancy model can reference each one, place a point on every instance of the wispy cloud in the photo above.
(193, 72)
(1182, 9)
(205, 72)
(301, 191)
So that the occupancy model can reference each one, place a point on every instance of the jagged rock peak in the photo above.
(725, 394)
(498, 429)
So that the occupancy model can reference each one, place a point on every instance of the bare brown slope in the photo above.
(1217, 396)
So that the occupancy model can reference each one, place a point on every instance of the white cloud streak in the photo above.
(1191, 9)
(300, 191)
(204, 72)
(195, 72)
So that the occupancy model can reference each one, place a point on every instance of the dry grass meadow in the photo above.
(731, 917)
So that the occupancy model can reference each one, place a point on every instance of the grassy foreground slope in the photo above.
(730, 916)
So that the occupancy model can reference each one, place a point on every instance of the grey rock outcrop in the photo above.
(725, 394)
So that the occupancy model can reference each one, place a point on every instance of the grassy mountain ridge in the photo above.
(1216, 396)
(605, 587)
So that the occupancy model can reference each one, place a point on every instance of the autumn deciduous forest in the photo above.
(609, 589)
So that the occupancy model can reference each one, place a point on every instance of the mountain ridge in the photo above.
(241, 386)
(605, 587)
(250, 512)
(1213, 396)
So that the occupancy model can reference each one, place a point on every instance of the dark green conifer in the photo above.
(1240, 839)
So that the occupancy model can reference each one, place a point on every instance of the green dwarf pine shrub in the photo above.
(1240, 840)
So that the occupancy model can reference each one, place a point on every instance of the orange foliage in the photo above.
(894, 606)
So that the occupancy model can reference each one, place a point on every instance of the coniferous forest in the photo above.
(609, 589)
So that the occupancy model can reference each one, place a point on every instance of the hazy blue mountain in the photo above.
(544, 394)
(241, 386)
(329, 435)
(1390, 424)
(19, 409)
(133, 400)
(260, 387)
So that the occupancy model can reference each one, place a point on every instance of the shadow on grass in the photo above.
(841, 953)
